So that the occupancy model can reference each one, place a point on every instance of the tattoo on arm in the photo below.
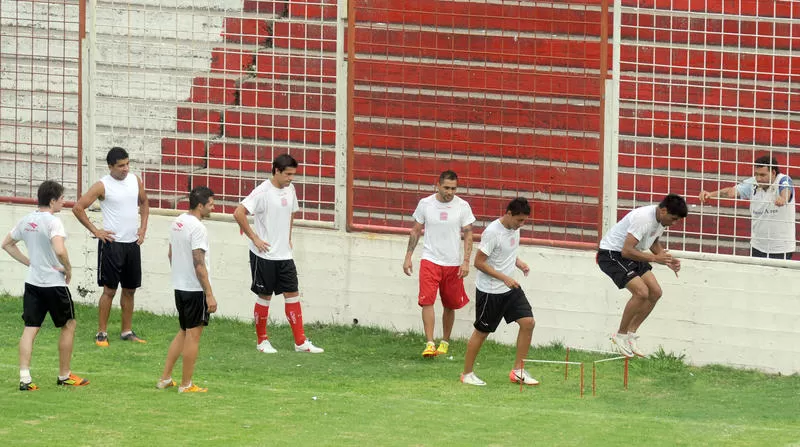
(413, 238)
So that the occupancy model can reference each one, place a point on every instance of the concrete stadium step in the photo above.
(215, 89)
(495, 78)
(242, 155)
(753, 8)
(274, 7)
(508, 143)
(296, 65)
(476, 174)
(235, 185)
(709, 93)
(301, 128)
(29, 74)
(288, 95)
(557, 114)
(313, 9)
(305, 36)
(251, 30)
(773, 131)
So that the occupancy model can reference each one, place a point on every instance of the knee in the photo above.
(641, 293)
(526, 324)
(655, 293)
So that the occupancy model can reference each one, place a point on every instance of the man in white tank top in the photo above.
(123, 203)
(49, 272)
(772, 209)
(445, 218)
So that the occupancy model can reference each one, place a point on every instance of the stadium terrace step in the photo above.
(197, 120)
(304, 36)
(233, 185)
(183, 152)
(415, 138)
(297, 66)
(710, 127)
(246, 30)
(479, 46)
(166, 181)
(313, 161)
(475, 174)
(476, 110)
(754, 8)
(525, 81)
(288, 96)
(515, 17)
(214, 90)
(274, 7)
(270, 126)
(313, 9)
(233, 60)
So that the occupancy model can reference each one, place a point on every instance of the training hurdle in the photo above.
(566, 364)
(594, 366)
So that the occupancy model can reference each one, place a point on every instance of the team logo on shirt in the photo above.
(443, 215)
(32, 226)
(284, 202)
(512, 242)
(178, 227)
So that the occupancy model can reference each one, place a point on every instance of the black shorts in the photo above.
(490, 308)
(621, 270)
(119, 263)
(272, 277)
(38, 301)
(192, 309)
(756, 253)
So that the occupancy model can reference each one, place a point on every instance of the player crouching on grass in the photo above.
(188, 255)
(500, 296)
(49, 272)
(623, 257)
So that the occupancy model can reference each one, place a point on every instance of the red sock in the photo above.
(260, 315)
(295, 316)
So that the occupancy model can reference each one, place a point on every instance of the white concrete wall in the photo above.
(734, 314)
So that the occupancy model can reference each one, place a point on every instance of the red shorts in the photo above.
(446, 280)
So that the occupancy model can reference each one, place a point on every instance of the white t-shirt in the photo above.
(37, 229)
(500, 245)
(443, 223)
(772, 227)
(186, 235)
(641, 223)
(120, 207)
(272, 209)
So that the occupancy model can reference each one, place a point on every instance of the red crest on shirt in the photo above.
(443, 215)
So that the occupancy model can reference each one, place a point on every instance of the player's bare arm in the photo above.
(95, 192)
(630, 251)
(466, 233)
(62, 255)
(169, 255)
(783, 197)
(413, 239)
(10, 246)
(522, 266)
(481, 264)
(724, 193)
(144, 212)
(240, 216)
(199, 261)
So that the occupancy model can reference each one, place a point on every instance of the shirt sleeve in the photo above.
(744, 190)
(467, 218)
(16, 232)
(254, 202)
(200, 238)
(639, 228)
(488, 243)
(419, 213)
(56, 229)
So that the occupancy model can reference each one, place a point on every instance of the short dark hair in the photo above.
(200, 196)
(283, 161)
(116, 154)
(49, 190)
(765, 161)
(675, 205)
(447, 175)
(519, 206)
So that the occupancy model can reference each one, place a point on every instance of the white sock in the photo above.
(126, 333)
(181, 388)
(25, 376)
(165, 381)
(64, 377)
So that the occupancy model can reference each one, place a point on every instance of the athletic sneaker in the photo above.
(266, 347)
(621, 344)
(30, 386)
(430, 350)
(131, 336)
(522, 376)
(192, 389)
(307, 346)
(101, 339)
(472, 379)
(443, 347)
(164, 384)
(634, 346)
(72, 380)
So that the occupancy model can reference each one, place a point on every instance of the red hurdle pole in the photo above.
(566, 366)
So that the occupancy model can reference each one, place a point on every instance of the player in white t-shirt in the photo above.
(772, 209)
(194, 299)
(49, 272)
(445, 217)
(273, 204)
(625, 254)
(123, 202)
(498, 295)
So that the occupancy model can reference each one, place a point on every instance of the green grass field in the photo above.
(371, 387)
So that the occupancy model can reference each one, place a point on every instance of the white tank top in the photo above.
(121, 207)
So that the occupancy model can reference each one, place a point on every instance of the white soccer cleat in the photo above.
(634, 346)
(621, 344)
(472, 379)
(522, 376)
(307, 346)
(266, 347)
